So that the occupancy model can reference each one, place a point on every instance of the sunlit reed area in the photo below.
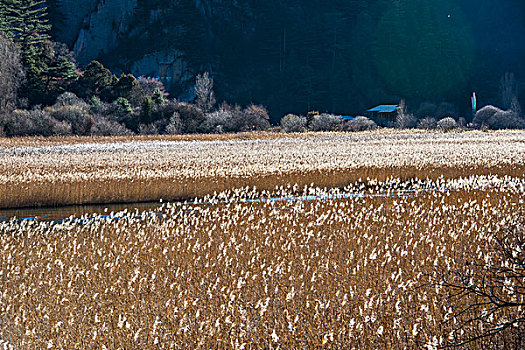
(349, 268)
(263, 175)
(128, 170)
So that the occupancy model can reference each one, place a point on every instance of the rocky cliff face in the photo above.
(92, 27)
(155, 39)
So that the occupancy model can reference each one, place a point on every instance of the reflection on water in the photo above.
(54, 213)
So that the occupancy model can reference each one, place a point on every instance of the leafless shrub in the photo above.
(174, 126)
(360, 124)
(255, 118)
(234, 119)
(447, 124)
(293, 123)
(165, 111)
(150, 85)
(220, 121)
(77, 115)
(404, 120)
(11, 74)
(148, 129)
(494, 118)
(427, 123)
(462, 122)
(506, 120)
(29, 123)
(62, 128)
(229, 119)
(485, 114)
(69, 99)
(105, 127)
(192, 117)
(205, 97)
(326, 122)
(494, 291)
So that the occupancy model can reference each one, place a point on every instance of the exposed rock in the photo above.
(169, 67)
(92, 27)
(166, 65)
(73, 14)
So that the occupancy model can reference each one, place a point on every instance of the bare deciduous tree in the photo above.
(494, 286)
(11, 73)
(205, 97)
(404, 120)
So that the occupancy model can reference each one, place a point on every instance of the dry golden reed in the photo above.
(37, 172)
(355, 268)
(334, 273)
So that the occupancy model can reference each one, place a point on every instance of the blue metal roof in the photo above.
(346, 117)
(384, 109)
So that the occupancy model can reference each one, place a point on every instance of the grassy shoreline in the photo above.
(57, 172)
(54, 194)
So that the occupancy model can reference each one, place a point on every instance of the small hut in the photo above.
(384, 114)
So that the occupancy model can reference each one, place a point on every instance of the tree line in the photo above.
(43, 92)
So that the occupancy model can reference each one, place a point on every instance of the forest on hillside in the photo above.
(245, 66)
(340, 56)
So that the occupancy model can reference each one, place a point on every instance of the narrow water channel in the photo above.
(75, 211)
(60, 213)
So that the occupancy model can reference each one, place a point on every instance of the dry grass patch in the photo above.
(144, 170)
(346, 273)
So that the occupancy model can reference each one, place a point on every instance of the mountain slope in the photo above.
(342, 56)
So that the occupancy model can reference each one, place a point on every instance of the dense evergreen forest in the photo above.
(340, 56)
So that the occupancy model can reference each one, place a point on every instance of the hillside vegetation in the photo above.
(295, 56)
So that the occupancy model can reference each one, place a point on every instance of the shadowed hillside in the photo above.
(294, 56)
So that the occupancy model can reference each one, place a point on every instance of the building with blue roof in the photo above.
(385, 109)
(384, 114)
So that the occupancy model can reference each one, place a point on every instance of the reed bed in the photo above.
(38, 141)
(354, 273)
(59, 172)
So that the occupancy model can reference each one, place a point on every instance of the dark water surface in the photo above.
(76, 211)
(60, 213)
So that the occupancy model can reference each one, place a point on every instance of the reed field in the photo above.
(317, 241)
(35, 172)
(363, 270)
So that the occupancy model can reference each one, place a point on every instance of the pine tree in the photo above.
(95, 80)
(6, 17)
(29, 28)
(49, 66)
(4, 27)
(60, 69)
